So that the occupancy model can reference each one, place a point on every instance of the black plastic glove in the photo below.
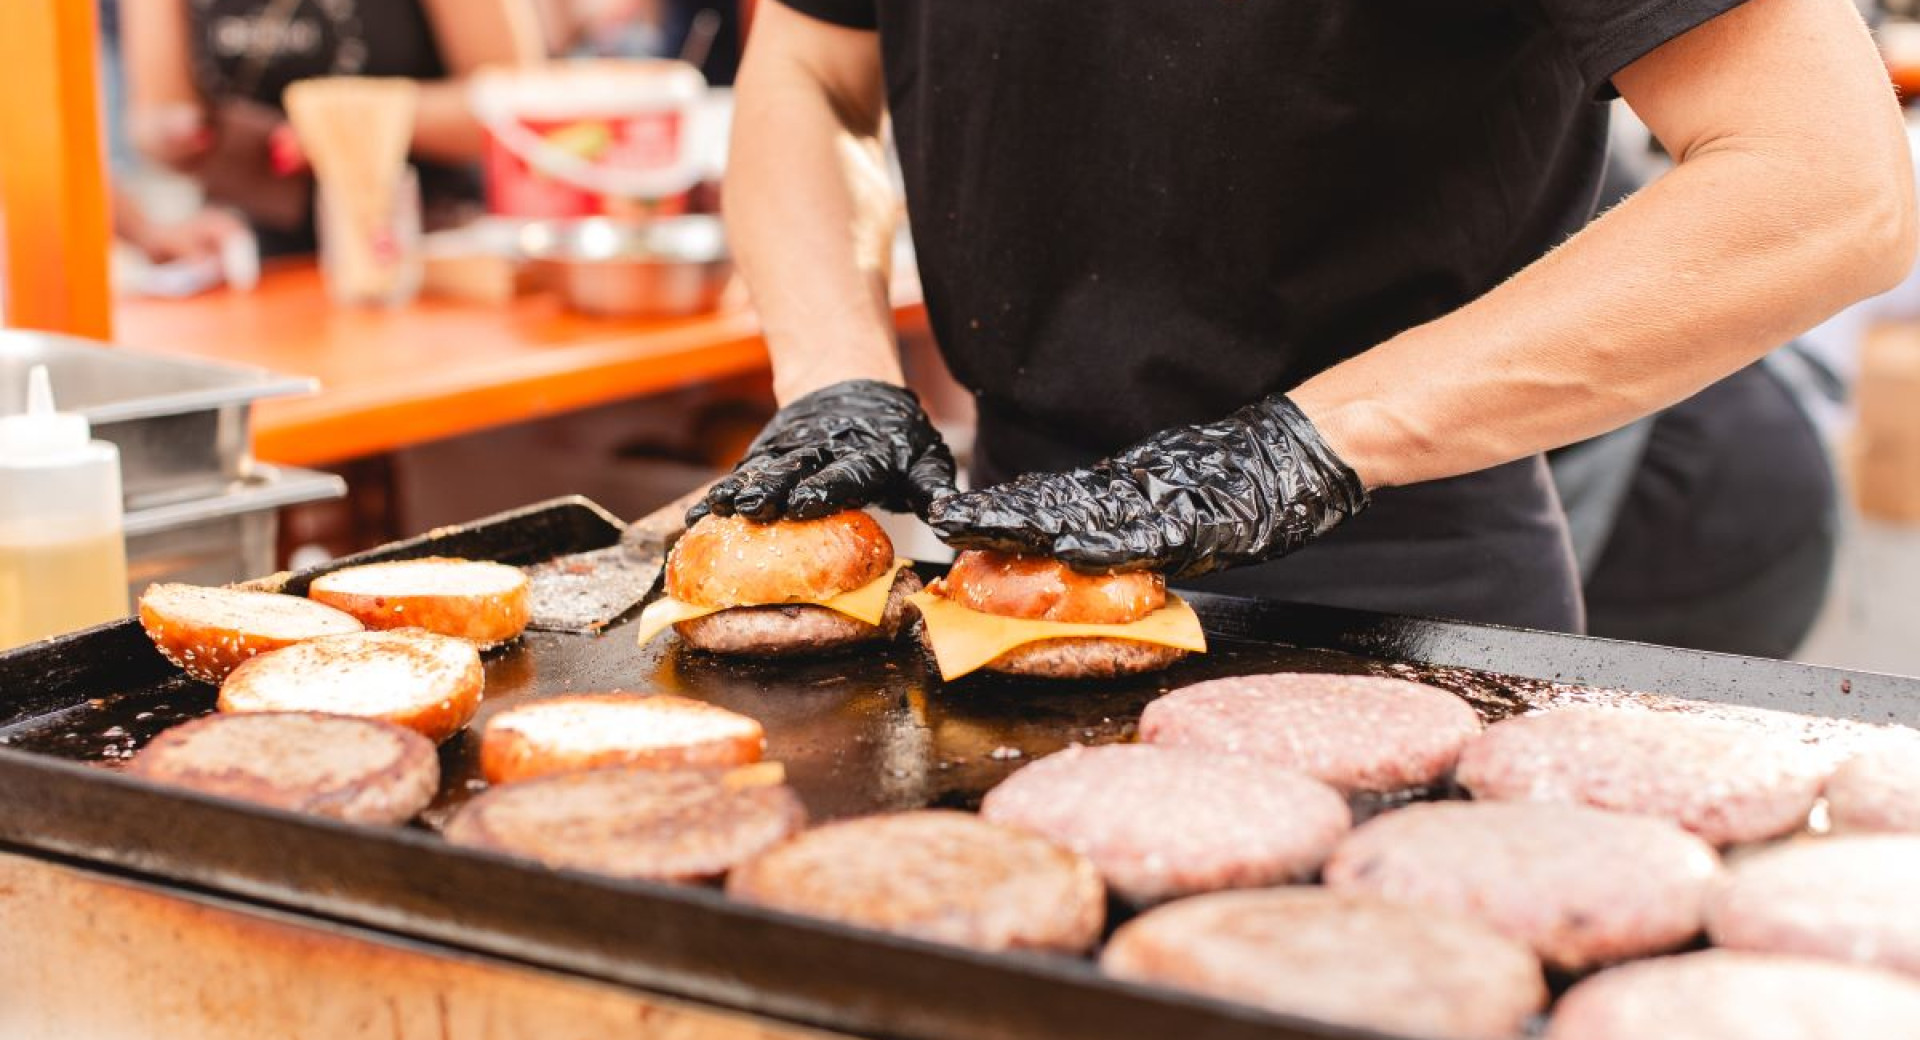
(852, 444)
(1255, 485)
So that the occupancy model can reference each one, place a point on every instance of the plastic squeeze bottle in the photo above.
(63, 558)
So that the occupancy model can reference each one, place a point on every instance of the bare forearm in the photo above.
(804, 230)
(1700, 274)
(1752, 239)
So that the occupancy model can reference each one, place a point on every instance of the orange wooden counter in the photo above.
(439, 368)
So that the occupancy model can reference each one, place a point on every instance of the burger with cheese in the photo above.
(790, 587)
(1035, 616)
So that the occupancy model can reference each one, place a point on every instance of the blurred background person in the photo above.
(204, 80)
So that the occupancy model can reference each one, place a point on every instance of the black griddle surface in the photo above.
(859, 733)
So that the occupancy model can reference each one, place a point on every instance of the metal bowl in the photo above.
(664, 267)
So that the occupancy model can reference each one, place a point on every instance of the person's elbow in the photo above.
(1884, 228)
(1863, 217)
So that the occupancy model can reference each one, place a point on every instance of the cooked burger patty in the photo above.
(1721, 995)
(1089, 657)
(1580, 886)
(794, 629)
(1358, 733)
(944, 876)
(1161, 823)
(632, 822)
(1840, 898)
(1344, 959)
(359, 770)
(1876, 791)
(1725, 781)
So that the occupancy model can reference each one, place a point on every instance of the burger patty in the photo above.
(1085, 657)
(1160, 823)
(1580, 886)
(944, 876)
(1722, 995)
(632, 821)
(1727, 782)
(1358, 733)
(353, 769)
(795, 629)
(1338, 958)
(1876, 791)
(1848, 898)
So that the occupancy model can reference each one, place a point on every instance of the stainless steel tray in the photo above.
(183, 427)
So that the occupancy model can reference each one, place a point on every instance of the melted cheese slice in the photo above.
(966, 640)
(868, 604)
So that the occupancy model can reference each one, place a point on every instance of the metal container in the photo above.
(182, 426)
(223, 539)
(665, 267)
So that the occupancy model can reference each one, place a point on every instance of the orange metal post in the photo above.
(53, 189)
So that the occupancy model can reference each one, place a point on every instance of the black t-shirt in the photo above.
(1134, 214)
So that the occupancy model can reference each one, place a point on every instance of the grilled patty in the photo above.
(1089, 657)
(1580, 886)
(1358, 733)
(1161, 823)
(632, 822)
(944, 876)
(795, 629)
(354, 769)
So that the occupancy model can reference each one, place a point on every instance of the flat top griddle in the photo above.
(861, 733)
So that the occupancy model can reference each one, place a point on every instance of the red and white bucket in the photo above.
(591, 138)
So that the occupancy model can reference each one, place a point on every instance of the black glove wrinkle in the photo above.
(852, 444)
(1253, 486)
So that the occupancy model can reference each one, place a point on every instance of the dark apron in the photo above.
(1490, 547)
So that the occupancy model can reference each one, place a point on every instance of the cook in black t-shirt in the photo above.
(1221, 273)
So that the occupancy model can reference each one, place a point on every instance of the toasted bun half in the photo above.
(730, 561)
(353, 769)
(481, 602)
(1041, 589)
(426, 682)
(575, 732)
(208, 632)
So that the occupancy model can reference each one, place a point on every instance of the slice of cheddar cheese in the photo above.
(966, 640)
(868, 604)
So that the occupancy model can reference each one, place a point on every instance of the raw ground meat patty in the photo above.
(1160, 822)
(1876, 791)
(1840, 898)
(1725, 781)
(1722, 995)
(1581, 886)
(945, 876)
(1345, 959)
(1356, 732)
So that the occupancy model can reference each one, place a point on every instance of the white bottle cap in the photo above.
(41, 433)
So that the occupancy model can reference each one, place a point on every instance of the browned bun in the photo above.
(730, 561)
(1043, 589)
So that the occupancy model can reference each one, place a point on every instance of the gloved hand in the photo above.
(1255, 485)
(856, 443)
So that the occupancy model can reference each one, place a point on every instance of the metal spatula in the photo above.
(585, 592)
